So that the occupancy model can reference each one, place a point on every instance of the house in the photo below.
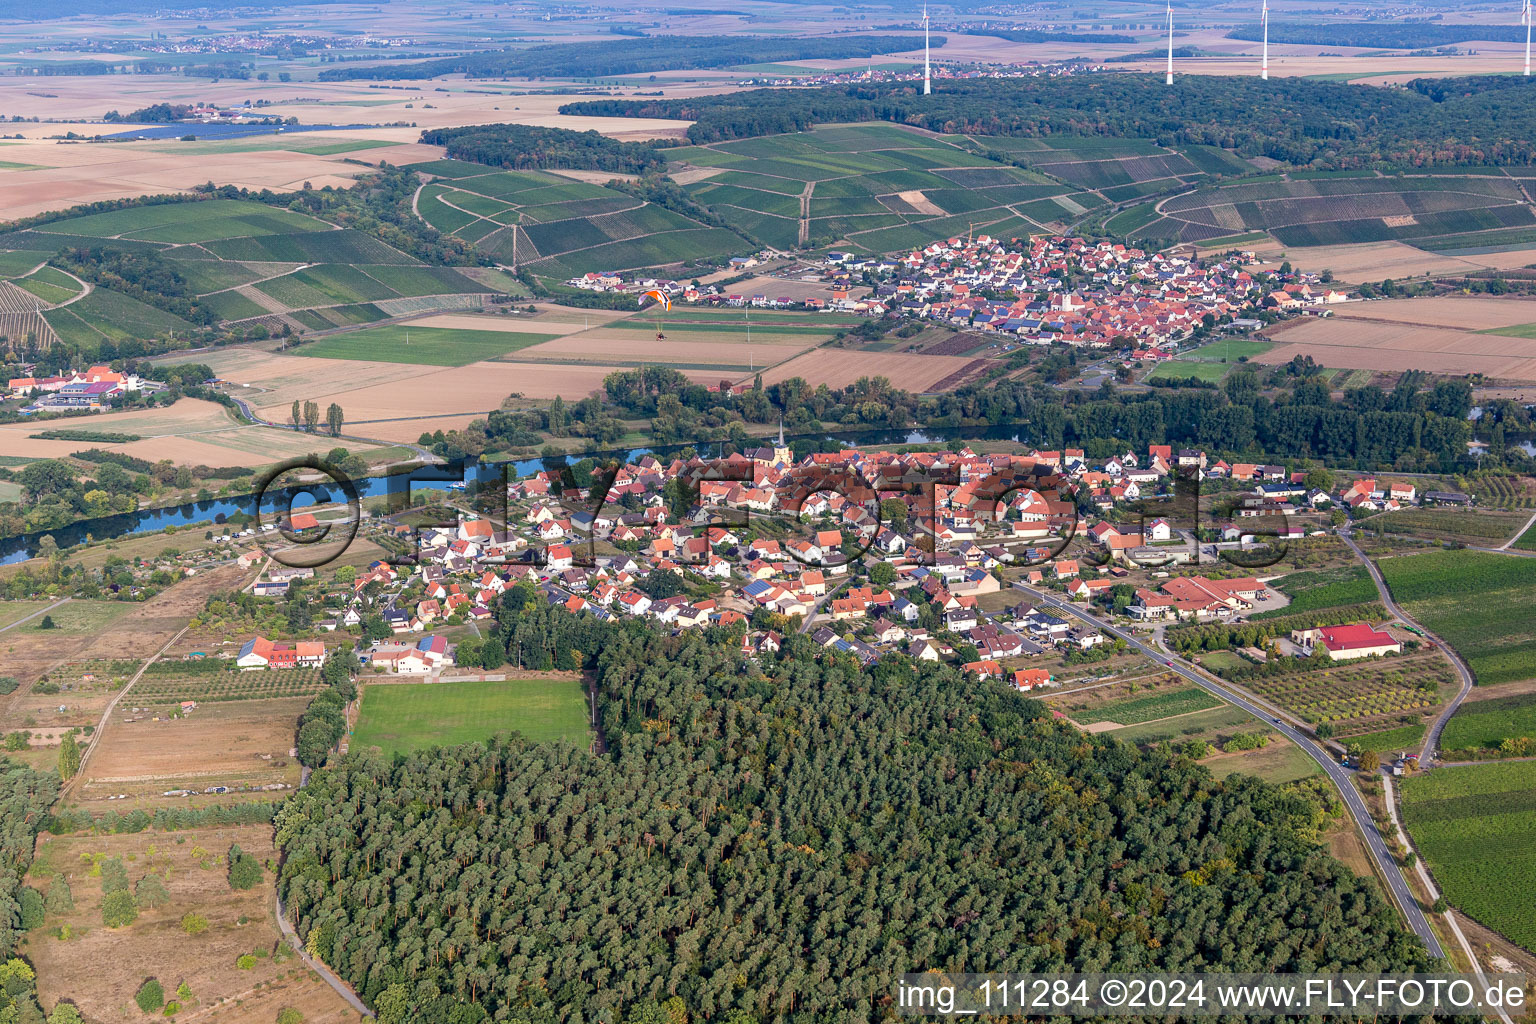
(1030, 678)
(1346, 643)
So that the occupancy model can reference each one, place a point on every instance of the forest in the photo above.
(1326, 125)
(1378, 35)
(778, 840)
(525, 147)
(633, 55)
(25, 796)
(1409, 426)
(1040, 35)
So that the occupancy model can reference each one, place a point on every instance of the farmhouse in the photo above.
(1345, 643)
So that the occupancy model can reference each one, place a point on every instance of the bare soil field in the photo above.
(221, 743)
(100, 972)
(606, 347)
(841, 367)
(1376, 261)
(1470, 313)
(469, 391)
(191, 432)
(541, 324)
(1353, 344)
(779, 287)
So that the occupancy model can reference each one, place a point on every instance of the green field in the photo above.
(1517, 331)
(1476, 827)
(1408, 737)
(1316, 589)
(427, 346)
(410, 716)
(1484, 724)
(1152, 708)
(1481, 604)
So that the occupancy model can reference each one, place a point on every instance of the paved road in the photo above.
(1519, 533)
(1275, 718)
(1432, 734)
(809, 621)
(326, 974)
(40, 611)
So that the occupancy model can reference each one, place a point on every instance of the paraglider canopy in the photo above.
(661, 301)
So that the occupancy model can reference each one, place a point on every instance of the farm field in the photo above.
(840, 367)
(1375, 261)
(619, 348)
(423, 346)
(1451, 593)
(1348, 209)
(1135, 710)
(1374, 345)
(1465, 313)
(1316, 589)
(239, 744)
(1405, 737)
(1476, 827)
(1483, 527)
(100, 968)
(1480, 726)
(400, 717)
(192, 431)
(449, 398)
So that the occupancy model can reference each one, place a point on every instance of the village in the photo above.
(1095, 295)
(843, 547)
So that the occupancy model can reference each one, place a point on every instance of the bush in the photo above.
(194, 924)
(8, 684)
(150, 996)
(118, 909)
(244, 870)
(246, 962)
(172, 1007)
(288, 1015)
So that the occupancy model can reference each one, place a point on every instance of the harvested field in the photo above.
(470, 390)
(1354, 344)
(1376, 261)
(100, 968)
(232, 743)
(542, 324)
(1467, 313)
(604, 347)
(191, 432)
(841, 367)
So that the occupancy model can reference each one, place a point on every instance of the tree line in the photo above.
(1325, 125)
(634, 55)
(525, 147)
(780, 839)
(1378, 35)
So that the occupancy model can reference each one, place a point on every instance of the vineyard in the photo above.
(1477, 527)
(1481, 604)
(1135, 710)
(230, 684)
(1317, 589)
(1480, 728)
(1476, 828)
(1500, 490)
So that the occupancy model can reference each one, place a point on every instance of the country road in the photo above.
(1274, 717)
(106, 714)
(40, 611)
(1432, 734)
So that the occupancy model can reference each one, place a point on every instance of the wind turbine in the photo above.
(1264, 21)
(1525, 16)
(927, 77)
(1169, 80)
